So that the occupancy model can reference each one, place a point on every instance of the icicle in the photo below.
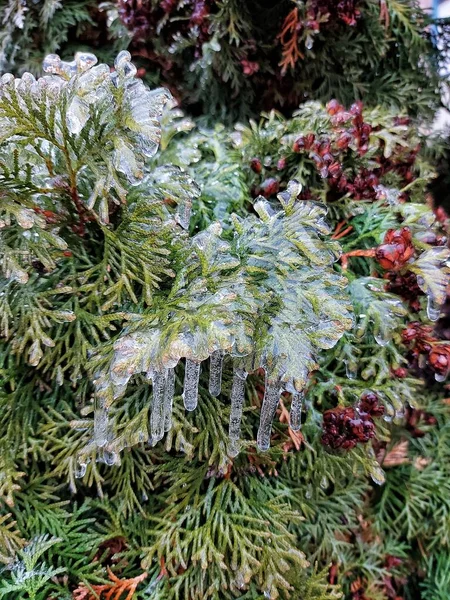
(269, 407)
(215, 372)
(157, 415)
(433, 309)
(190, 391)
(100, 424)
(168, 399)
(295, 416)
(237, 403)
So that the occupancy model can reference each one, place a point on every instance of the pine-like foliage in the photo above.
(228, 59)
(287, 270)
(234, 58)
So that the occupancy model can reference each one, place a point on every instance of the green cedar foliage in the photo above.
(228, 59)
(108, 286)
(233, 59)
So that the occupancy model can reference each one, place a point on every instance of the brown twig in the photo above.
(338, 233)
(289, 40)
(370, 253)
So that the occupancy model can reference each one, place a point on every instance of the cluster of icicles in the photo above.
(163, 383)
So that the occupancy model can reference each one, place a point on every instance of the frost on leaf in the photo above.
(275, 305)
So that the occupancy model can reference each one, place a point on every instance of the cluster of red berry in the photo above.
(350, 131)
(405, 285)
(426, 350)
(345, 427)
(396, 250)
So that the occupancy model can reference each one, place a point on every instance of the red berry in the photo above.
(256, 165)
(270, 187)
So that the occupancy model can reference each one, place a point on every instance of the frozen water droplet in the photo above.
(215, 372)
(433, 309)
(381, 338)
(7, 80)
(190, 391)
(267, 594)
(51, 64)
(295, 416)
(183, 215)
(80, 470)
(351, 369)
(123, 63)
(85, 60)
(110, 458)
(309, 42)
(308, 493)
(59, 376)
(440, 377)
(324, 482)
(237, 403)
(390, 412)
(168, 399)
(268, 410)
(239, 581)
(377, 474)
(157, 415)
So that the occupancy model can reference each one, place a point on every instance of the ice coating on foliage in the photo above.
(433, 269)
(269, 299)
(81, 98)
(379, 311)
(101, 424)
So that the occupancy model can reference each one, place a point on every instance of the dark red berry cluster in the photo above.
(345, 427)
(406, 286)
(396, 250)
(426, 350)
(351, 134)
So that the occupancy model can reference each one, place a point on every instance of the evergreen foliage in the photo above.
(221, 374)
(228, 59)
